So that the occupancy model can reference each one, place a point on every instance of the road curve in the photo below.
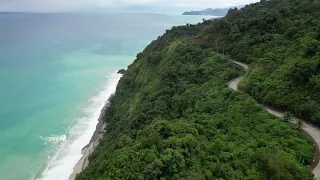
(312, 131)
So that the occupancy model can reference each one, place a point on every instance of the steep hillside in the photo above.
(173, 117)
(281, 40)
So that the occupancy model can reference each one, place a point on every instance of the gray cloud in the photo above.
(5, 1)
(83, 5)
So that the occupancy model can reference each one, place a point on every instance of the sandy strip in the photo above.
(94, 142)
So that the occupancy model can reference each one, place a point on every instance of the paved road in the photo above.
(313, 131)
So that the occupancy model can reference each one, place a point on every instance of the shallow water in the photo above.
(56, 72)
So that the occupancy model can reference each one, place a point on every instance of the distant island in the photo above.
(212, 12)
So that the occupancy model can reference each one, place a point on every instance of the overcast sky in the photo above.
(115, 5)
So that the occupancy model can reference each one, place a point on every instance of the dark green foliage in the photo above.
(287, 116)
(173, 116)
(318, 33)
(312, 48)
(280, 38)
(291, 32)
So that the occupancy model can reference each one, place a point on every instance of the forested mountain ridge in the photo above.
(173, 116)
(281, 40)
(211, 11)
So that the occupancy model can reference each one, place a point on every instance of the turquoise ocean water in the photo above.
(56, 72)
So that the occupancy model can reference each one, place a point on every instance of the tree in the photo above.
(312, 48)
(234, 32)
(287, 116)
(291, 32)
(300, 124)
(303, 70)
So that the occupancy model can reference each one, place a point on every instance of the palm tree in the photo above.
(287, 116)
(300, 124)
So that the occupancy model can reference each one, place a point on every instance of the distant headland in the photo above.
(212, 12)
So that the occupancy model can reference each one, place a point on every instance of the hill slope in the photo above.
(174, 117)
(281, 40)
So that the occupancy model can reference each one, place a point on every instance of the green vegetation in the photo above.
(173, 116)
(287, 116)
(281, 40)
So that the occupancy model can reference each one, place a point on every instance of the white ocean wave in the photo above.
(68, 153)
(54, 139)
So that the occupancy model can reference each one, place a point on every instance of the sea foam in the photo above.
(54, 139)
(60, 166)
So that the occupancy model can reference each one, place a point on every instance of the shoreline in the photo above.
(93, 143)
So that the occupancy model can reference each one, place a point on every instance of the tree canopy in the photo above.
(173, 116)
(281, 41)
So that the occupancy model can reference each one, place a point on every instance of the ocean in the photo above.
(56, 73)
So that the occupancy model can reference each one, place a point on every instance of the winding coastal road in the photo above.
(312, 131)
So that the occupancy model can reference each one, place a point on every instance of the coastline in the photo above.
(94, 142)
